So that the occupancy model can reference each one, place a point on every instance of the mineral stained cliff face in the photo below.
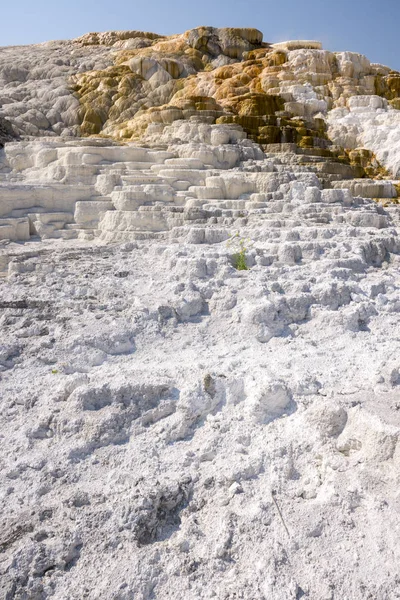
(199, 294)
(124, 84)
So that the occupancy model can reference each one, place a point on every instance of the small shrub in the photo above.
(239, 258)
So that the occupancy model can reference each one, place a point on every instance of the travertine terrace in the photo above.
(199, 316)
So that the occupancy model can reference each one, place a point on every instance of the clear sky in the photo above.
(371, 27)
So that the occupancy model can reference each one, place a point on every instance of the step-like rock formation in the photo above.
(128, 84)
(207, 175)
(199, 306)
(333, 114)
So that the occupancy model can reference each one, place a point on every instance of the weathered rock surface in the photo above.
(120, 84)
(169, 422)
(7, 133)
(199, 364)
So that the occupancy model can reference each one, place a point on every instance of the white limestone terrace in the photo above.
(339, 87)
(368, 122)
(87, 188)
(59, 189)
(37, 98)
(172, 427)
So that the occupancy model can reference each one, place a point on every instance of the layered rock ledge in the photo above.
(199, 306)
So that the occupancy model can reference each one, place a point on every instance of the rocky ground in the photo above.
(172, 427)
(6, 132)
(199, 348)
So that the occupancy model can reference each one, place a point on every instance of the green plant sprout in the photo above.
(239, 261)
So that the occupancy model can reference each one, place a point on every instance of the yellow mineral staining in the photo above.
(385, 202)
(388, 86)
(170, 46)
(143, 85)
(393, 83)
(231, 42)
(360, 157)
(257, 105)
(228, 76)
(99, 91)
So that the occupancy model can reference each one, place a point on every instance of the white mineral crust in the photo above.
(172, 427)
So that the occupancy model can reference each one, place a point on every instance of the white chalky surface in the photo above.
(172, 427)
(370, 123)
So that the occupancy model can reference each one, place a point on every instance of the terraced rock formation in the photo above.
(199, 300)
(335, 111)
(124, 84)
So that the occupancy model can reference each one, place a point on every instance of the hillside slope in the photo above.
(126, 84)
(199, 307)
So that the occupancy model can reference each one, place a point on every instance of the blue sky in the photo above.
(364, 26)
